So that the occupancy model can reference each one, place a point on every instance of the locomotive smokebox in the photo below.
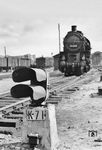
(74, 28)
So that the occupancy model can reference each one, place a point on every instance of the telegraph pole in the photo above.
(59, 38)
(6, 58)
(5, 51)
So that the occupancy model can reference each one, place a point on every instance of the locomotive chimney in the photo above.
(74, 28)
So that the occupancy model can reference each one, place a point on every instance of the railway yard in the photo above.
(78, 111)
(50, 75)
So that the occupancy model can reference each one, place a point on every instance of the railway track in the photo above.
(63, 84)
(71, 84)
(7, 100)
(60, 86)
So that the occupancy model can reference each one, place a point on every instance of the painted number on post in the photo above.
(36, 114)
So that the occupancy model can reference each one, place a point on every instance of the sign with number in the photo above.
(36, 114)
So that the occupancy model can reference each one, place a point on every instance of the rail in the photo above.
(54, 93)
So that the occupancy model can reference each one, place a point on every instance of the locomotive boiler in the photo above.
(75, 58)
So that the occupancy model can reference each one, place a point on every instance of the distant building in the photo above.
(97, 58)
(56, 61)
(44, 62)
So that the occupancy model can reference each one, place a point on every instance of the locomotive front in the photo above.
(73, 41)
(73, 58)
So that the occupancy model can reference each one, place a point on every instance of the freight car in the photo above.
(44, 62)
(75, 58)
(7, 63)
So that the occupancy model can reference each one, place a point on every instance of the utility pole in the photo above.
(6, 58)
(5, 51)
(59, 38)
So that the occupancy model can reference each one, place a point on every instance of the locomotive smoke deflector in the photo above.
(74, 28)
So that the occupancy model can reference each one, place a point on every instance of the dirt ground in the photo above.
(79, 118)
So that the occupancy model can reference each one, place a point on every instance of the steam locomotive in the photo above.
(75, 58)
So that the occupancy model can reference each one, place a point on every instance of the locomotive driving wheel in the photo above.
(66, 74)
(79, 71)
(87, 68)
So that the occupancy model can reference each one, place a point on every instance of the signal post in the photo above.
(39, 127)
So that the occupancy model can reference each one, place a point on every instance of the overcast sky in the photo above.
(31, 26)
